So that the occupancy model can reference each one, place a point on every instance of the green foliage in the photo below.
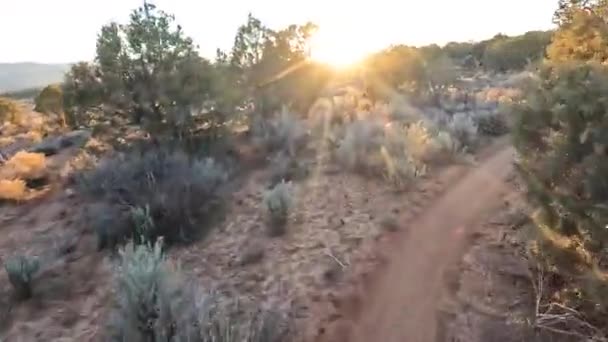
(463, 128)
(396, 66)
(50, 100)
(491, 123)
(272, 67)
(143, 222)
(155, 303)
(285, 133)
(21, 270)
(82, 89)
(148, 68)
(398, 152)
(439, 73)
(164, 193)
(560, 134)
(362, 139)
(286, 168)
(445, 142)
(278, 201)
(459, 50)
(143, 295)
(515, 53)
(421, 72)
(9, 110)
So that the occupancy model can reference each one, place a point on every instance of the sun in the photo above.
(339, 48)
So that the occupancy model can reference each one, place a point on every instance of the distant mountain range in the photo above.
(19, 76)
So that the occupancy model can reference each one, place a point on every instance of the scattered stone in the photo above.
(49, 146)
(390, 223)
(332, 272)
(70, 193)
(252, 254)
(52, 145)
(77, 138)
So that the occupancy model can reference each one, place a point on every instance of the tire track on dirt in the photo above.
(401, 303)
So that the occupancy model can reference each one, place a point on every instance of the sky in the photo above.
(58, 31)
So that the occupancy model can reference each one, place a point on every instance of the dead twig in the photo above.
(329, 254)
(558, 318)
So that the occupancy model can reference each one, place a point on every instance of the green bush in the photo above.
(398, 152)
(20, 272)
(464, 129)
(445, 142)
(153, 302)
(285, 133)
(561, 136)
(278, 201)
(491, 123)
(515, 53)
(50, 100)
(159, 83)
(362, 139)
(157, 193)
(286, 168)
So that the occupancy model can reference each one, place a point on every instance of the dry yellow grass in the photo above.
(5, 141)
(499, 94)
(33, 135)
(25, 165)
(13, 190)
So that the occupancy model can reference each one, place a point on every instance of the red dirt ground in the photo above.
(401, 300)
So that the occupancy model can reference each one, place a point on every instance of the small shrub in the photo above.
(50, 100)
(278, 201)
(148, 296)
(286, 168)
(416, 139)
(285, 133)
(401, 170)
(12, 190)
(396, 151)
(463, 128)
(180, 195)
(403, 149)
(390, 223)
(491, 123)
(25, 165)
(155, 303)
(362, 138)
(20, 272)
(444, 142)
(560, 136)
(143, 222)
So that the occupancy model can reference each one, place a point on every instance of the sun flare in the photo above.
(339, 48)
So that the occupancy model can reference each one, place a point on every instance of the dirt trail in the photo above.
(402, 301)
